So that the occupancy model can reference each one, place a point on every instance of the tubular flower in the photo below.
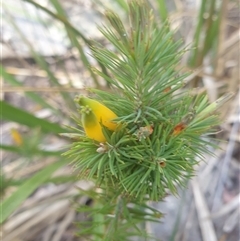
(94, 114)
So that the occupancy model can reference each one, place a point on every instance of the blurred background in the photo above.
(46, 60)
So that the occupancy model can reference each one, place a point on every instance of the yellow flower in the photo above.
(94, 113)
(16, 136)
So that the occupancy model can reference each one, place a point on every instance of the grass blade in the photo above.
(11, 113)
(163, 11)
(197, 35)
(27, 188)
(39, 152)
(122, 4)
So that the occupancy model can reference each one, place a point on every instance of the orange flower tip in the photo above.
(179, 128)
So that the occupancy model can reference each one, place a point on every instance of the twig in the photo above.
(63, 226)
(12, 224)
(52, 210)
(48, 232)
(206, 225)
(231, 222)
(227, 208)
(225, 165)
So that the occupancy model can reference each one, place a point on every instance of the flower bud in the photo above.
(94, 114)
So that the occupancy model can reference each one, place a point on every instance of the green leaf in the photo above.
(197, 35)
(122, 4)
(20, 150)
(162, 8)
(10, 204)
(11, 113)
(56, 180)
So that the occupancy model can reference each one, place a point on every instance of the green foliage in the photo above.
(146, 156)
(118, 220)
(160, 138)
(162, 127)
(162, 9)
(206, 32)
